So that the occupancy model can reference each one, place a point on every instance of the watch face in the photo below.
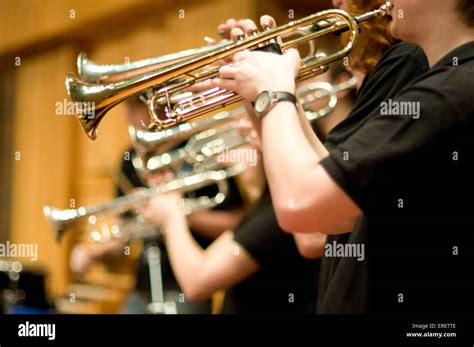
(263, 102)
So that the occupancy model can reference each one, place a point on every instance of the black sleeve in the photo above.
(377, 161)
(399, 67)
(261, 236)
(234, 199)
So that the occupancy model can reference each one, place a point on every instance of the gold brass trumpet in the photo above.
(61, 220)
(94, 100)
(94, 73)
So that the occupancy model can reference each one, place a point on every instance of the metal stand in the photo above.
(157, 305)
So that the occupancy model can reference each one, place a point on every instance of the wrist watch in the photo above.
(266, 100)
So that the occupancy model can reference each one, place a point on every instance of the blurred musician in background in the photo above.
(205, 225)
(258, 264)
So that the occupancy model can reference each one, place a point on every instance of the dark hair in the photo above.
(376, 38)
(465, 9)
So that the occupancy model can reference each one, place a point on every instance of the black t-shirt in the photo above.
(400, 65)
(285, 282)
(343, 286)
(410, 173)
(233, 201)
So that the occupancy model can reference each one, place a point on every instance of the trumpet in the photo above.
(94, 100)
(92, 72)
(200, 151)
(211, 136)
(318, 90)
(61, 220)
(149, 141)
(126, 229)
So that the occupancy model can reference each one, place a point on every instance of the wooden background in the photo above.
(47, 157)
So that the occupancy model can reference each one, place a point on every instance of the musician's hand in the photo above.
(82, 258)
(234, 30)
(340, 4)
(162, 209)
(225, 29)
(247, 27)
(247, 128)
(254, 72)
(160, 177)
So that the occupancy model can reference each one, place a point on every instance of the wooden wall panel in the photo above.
(7, 98)
(29, 21)
(45, 144)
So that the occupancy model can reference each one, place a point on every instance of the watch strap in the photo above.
(284, 96)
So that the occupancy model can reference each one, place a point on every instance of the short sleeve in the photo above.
(263, 239)
(377, 159)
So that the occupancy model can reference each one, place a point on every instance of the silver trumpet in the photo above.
(319, 90)
(200, 151)
(150, 141)
(61, 220)
(206, 139)
(126, 229)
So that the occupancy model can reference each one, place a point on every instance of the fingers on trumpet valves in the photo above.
(267, 23)
(224, 29)
(237, 34)
(250, 28)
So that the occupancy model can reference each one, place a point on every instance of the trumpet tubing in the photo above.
(61, 220)
(126, 229)
(91, 72)
(200, 151)
(178, 76)
(150, 141)
(212, 136)
(319, 90)
(204, 134)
